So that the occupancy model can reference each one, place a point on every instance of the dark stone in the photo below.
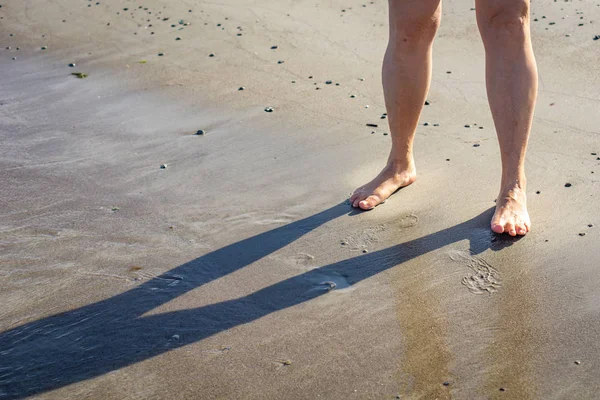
(476, 145)
(426, 103)
(269, 109)
(372, 125)
(568, 185)
(273, 47)
(200, 132)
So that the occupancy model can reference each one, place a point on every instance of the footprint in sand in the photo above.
(365, 238)
(483, 278)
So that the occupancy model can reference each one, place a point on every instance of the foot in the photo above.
(390, 179)
(511, 213)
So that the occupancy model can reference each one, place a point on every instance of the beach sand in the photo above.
(141, 260)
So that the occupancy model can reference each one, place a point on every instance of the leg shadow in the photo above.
(108, 335)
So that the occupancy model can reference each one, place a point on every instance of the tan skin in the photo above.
(511, 81)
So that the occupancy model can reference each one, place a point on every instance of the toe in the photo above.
(510, 229)
(355, 202)
(521, 230)
(369, 203)
(497, 225)
(497, 228)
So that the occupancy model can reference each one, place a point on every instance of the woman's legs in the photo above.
(511, 77)
(406, 77)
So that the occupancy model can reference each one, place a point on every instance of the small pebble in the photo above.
(177, 38)
(426, 124)
(211, 55)
(273, 47)
(590, 225)
(436, 124)
(176, 337)
(352, 96)
(582, 234)
(385, 133)
(200, 132)
(568, 185)
(241, 88)
(365, 251)
(446, 383)
(502, 389)
(163, 166)
(44, 47)
(467, 126)
(476, 145)
(72, 65)
(269, 109)
(426, 103)
(538, 192)
(577, 362)
(161, 54)
(328, 82)
(280, 62)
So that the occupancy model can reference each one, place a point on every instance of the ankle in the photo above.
(401, 162)
(517, 183)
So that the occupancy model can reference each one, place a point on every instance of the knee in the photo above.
(414, 32)
(505, 22)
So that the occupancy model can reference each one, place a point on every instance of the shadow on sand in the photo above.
(111, 334)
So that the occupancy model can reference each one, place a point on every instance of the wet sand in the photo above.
(238, 270)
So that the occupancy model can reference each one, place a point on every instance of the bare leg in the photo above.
(511, 77)
(406, 77)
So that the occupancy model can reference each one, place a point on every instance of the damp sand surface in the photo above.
(141, 258)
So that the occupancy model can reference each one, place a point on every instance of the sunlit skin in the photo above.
(511, 81)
